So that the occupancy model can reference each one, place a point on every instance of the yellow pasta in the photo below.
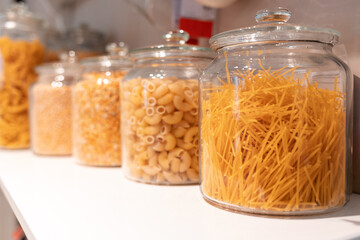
(96, 119)
(273, 142)
(19, 59)
(156, 117)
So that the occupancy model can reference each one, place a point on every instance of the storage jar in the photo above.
(50, 107)
(96, 108)
(160, 112)
(276, 119)
(20, 51)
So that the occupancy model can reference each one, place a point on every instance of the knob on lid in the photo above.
(175, 46)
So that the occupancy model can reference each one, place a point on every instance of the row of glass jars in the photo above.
(274, 109)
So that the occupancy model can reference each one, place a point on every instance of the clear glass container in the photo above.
(20, 51)
(160, 112)
(50, 107)
(54, 45)
(86, 42)
(276, 120)
(96, 108)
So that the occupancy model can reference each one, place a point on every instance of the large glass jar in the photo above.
(54, 45)
(160, 112)
(276, 119)
(50, 107)
(96, 108)
(20, 51)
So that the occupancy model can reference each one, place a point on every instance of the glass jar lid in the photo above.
(273, 27)
(18, 16)
(85, 38)
(67, 66)
(117, 57)
(175, 47)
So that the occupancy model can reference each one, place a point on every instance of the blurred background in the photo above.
(142, 22)
(93, 23)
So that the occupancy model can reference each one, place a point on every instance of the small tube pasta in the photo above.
(151, 130)
(168, 98)
(189, 135)
(165, 129)
(173, 118)
(181, 105)
(160, 110)
(149, 139)
(153, 120)
(189, 118)
(170, 108)
(161, 91)
(149, 111)
(170, 142)
(179, 132)
(164, 150)
(151, 101)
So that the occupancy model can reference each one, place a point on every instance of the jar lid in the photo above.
(18, 16)
(85, 38)
(68, 65)
(273, 27)
(175, 47)
(117, 57)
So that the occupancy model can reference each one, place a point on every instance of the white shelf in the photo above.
(54, 198)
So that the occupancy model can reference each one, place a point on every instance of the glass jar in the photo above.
(50, 107)
(276, 119)
(20, 51)
(53, 45)
(85, 41)
(160, 112)
(96, 108)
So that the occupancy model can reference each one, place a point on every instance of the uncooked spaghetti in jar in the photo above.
(96, 109)
(160, 112)
(20, 51)
(275, 122)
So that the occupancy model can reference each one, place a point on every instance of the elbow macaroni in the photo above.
(172, 158)
(96, 120)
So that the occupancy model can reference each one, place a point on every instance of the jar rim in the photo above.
(107, 61)
(163, 51)
(58, 68)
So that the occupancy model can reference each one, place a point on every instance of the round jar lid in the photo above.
(175, 47)
(85, 38)
(18, 16)
(117, 57)
(273, 27)
(68, 65)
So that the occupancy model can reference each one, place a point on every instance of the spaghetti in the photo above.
(273, 142)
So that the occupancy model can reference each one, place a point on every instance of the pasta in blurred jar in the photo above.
(96, 108)
(20, 51)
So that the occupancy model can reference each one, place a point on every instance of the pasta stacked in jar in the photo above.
(50, 111)
(160, 112)
(21, 50)
(96, 108)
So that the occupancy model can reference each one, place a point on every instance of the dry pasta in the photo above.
(159, 130)
(19, 59)
(273, 142)
(96, 119)
(51, 119)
